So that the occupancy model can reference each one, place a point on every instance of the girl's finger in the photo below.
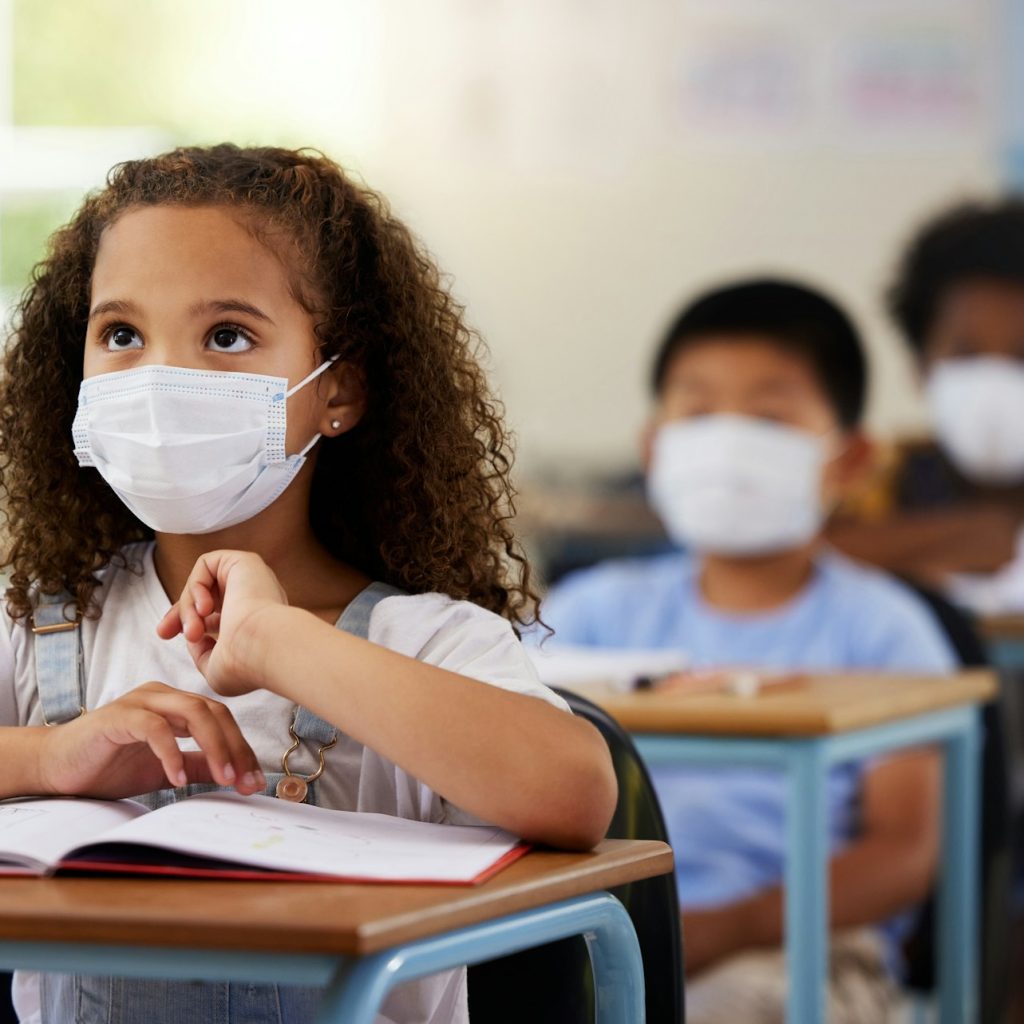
(250, 775)
(202, 599)
(170, 625)
(148, 727)
(213, 727)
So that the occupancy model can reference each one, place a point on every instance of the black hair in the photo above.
(798, 318)
(970, 240)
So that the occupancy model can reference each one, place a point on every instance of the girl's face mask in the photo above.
(736, 485)
(977, 406)
(189, 451)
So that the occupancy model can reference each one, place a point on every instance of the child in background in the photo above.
(248, 449)
(951, 510)
(759, 389)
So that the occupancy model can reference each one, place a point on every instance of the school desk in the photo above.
(359, 941)
(803, 731)
(1004, 638)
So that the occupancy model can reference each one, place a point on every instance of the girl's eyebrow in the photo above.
(113, 306)
(125, 308)
(229, 306)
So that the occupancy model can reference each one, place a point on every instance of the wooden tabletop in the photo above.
(820, 705)
(300, 917)
(1002, 627)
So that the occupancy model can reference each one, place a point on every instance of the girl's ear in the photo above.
(345, 388)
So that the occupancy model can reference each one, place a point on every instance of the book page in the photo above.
(37, 833)
(264, 832)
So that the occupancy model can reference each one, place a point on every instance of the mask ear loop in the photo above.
(325, 365)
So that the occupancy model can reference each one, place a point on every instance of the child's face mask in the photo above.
(189, 451)
(978, 408)
(736, 485)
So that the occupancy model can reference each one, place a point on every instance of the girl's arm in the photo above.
(507, 758)
(888, 869)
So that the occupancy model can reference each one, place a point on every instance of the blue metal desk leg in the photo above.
(806, 879)
(360, 986)
(959, 880)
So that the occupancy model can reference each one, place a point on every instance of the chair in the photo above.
(553, 984)
(7, 1015)
(996, 838)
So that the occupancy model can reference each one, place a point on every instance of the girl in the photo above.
(244, 433)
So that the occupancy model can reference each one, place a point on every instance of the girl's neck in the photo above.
(755, 584)
(282, 536)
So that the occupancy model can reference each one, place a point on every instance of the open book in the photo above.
(224, 835)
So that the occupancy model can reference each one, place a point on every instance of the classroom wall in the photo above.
(722, 138)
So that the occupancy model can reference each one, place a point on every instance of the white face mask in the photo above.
(735, 485)
(978, 408)
(189, 451)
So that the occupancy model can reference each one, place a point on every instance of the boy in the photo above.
(759, 390)
(956, 506)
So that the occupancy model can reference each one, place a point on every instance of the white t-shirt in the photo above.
(122, 651)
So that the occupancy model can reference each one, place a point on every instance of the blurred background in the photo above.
(578, 166)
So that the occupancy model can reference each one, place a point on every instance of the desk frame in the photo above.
(806, 761)
(357, 986)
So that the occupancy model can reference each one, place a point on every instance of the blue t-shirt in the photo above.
(727, 825)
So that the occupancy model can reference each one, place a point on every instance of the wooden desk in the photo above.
(1004, 637)
(361, 940)
(825, 704)
(804, 732)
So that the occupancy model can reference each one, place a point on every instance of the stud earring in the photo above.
(335, 424)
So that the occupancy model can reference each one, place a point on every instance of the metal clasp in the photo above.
(57, 627)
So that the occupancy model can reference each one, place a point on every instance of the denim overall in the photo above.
(90, 1000)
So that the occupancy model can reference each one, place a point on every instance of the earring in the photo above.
(335, 424)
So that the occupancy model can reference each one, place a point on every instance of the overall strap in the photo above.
(355, 619)
(57, 641)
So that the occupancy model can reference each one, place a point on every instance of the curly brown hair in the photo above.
(432, 506)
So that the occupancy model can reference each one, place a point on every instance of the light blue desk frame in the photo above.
(356, 986)
(806, 761)
(1006, 652)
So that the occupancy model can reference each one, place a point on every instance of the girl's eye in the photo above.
(230, 339)
(120, 339)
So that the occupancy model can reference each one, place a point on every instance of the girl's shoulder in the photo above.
(131, 570)
(413, 623)
(459, 636)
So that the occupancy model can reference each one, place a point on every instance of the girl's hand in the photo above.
(217, 613)
(129, 747)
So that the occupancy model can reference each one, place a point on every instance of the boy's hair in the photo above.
(970, 241)
(418, 494)
(798, 319)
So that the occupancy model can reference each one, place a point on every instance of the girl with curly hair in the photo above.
(251, 466)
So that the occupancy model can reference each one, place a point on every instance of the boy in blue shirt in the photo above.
(759, 391)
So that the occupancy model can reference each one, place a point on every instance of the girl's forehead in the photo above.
(161, 249)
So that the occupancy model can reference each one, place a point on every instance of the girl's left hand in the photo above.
(218, 614)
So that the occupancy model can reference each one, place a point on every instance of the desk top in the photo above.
(825, 705)
(300, 917)
(1002, 627)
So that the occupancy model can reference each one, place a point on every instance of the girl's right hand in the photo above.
(129, 747)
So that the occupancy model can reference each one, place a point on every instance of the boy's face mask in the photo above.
(736, 485)
(189, 451)
(978, 408)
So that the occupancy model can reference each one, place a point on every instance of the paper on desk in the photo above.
(598, 668)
